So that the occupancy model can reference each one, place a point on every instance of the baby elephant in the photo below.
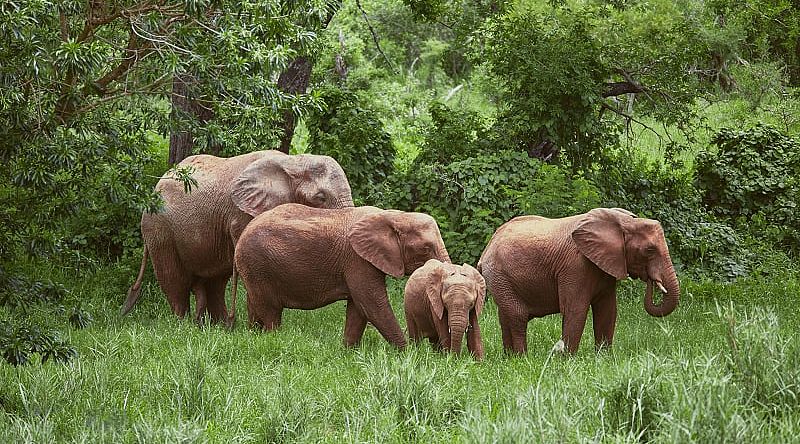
(440, 299)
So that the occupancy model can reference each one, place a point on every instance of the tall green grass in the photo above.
(722, 368)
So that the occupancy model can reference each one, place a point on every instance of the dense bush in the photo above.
(752, 179)
(19, 343)
(452, 135)
(354, 136)
(471, 198)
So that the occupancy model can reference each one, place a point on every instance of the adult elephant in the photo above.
(299, 257)
(191, 240)
(535, 266)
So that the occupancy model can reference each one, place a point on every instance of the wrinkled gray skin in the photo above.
(191, 241)
(442, 301)
(304, 258)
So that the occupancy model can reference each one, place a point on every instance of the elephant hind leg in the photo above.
(214, 289)
(173, 279)
(262, 310)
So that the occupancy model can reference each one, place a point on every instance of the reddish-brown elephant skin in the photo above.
(191, 240)
(441, 302)
(535, 266)
(299, 257)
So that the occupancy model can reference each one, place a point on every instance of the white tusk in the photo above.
(661, 287)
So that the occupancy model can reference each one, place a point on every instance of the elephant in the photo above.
(535, 266)
(444, 300)
(191, 240)
(294, 256)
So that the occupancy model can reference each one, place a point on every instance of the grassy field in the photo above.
(722, 368)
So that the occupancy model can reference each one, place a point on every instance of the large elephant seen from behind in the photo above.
(299, 257)
(191, 240)
(535, 266)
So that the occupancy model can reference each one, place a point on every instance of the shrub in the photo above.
(452, 135)
(754, 176)
(471, 198)
(354, 136)
(17, 344)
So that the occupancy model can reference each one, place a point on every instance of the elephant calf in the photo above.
(536, 266)
(295, 256)
(444, 300)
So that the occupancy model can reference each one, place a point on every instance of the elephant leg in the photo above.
(604, 319)
(514, 326)
(574, 307)
(368, 292)
(413, 331)
(354, 324)
(173, 279)
(200, 303)
(263, 309)
(215, 298)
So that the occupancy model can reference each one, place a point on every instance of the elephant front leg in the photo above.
(354, 324)
(574, 307)
(367, 287)
(604, 319)
(474, 342)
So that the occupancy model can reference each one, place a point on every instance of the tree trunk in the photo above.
(293, 81)
(184, 103)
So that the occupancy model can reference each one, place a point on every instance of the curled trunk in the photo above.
(671, 298)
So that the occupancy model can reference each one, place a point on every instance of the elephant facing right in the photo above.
(535, 266)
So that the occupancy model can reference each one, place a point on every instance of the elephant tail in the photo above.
(136, 289)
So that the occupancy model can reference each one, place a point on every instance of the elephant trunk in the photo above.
(441, 252)
(457, 321)
(671, 297)
(346, 202)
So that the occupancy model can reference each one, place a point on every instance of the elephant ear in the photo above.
(265, 184)
(375, 239)
(480, 285)
(433, 286)
(600, 238)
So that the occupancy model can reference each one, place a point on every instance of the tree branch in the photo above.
(62, 20)
(629, 118)
(135, 47)
(374, 36)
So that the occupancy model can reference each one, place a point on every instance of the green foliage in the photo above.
(470, 198)
(17, 344)
(546, 97)
(452, 135)
(752, 179)
(353, 135)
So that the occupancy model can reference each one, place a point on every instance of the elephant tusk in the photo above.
(661, 287)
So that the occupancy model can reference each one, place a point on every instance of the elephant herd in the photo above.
(286, 224)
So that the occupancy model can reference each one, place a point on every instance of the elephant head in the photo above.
(623, 245)
(308, 179)
(397, 242)
(459, 292)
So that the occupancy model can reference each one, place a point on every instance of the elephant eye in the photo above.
(651, 249)
(320, 196)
